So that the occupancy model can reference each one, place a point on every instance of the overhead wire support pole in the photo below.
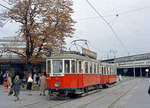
(115, 34)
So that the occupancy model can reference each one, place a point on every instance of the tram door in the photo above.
(80, 74)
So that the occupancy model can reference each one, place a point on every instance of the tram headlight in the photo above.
(57, 84)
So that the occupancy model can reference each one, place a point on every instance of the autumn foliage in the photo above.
(44, 25)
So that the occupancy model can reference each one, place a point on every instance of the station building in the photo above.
(11, 63)
(135, 65)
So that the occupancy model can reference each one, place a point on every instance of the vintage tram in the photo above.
(75, 73)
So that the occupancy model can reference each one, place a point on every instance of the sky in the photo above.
(128, 18)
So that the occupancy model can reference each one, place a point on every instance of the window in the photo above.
(80, 67)
(86, 67)
(98, 71)
(94, 68)
(104, 71)
(67, 66)
(73, 66)
(110, 71)
(107, 70)
(91, 68)
(48, 66)
(57, 66)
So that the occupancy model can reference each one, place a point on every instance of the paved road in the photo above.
(114, 97)
(137, 98)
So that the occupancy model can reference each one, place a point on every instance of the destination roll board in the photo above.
(89, 53)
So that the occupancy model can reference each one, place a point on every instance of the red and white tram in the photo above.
(71, 73)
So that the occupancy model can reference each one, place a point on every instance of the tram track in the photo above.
(87, 94)
(57, 103)
(114, 102)
(105, 94)
(67, 101)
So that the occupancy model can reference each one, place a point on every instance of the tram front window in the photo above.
(57, 66)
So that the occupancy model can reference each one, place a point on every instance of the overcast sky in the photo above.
(129, 19)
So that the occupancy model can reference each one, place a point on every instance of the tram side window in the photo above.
(94, 68)
(104, 71)
(73, 67)
(114, 70)
(91, 68)
(107, 69)
(49, 67)
(111, 71)
(80, 67)
(86, 67)
(98, 71)
(67, 66)
(57, 66)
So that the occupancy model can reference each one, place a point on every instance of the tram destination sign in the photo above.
(89, 53)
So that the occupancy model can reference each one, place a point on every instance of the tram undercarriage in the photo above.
(70, 92)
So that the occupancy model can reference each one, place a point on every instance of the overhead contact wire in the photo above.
(113, 31)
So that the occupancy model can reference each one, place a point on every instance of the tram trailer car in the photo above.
(108, 75)
(77, 74)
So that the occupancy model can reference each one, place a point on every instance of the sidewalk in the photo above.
(8, 101)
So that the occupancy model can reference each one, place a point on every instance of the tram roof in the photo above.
(73, 56)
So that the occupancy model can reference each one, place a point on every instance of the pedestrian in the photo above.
(1, 79)
(34, 78)
(29, 84)
(9, 82)
(37, 79)
(42, 84)
(26, 76)
(5, 82)
(120, 77)
(16, 87)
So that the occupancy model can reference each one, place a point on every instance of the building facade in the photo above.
(136, 65)
(11, 63)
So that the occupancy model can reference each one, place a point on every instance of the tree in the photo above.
(44, 25)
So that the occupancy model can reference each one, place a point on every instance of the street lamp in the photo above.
(147, 70)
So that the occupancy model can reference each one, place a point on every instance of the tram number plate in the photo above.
(57, 74)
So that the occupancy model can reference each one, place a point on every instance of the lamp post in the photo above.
(147, 71)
